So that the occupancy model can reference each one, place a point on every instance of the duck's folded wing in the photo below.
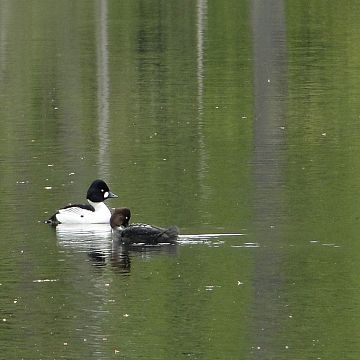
(77, 208)
(70, 213)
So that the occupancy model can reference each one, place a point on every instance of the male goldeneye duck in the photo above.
(96, 212)
(140, 233)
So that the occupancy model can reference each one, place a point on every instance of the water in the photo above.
(237, 122)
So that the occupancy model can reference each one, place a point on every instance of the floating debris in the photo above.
(329, 244)
(44, 280)
(211, 287)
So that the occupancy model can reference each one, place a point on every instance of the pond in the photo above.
(238, 122)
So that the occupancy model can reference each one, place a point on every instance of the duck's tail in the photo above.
(52, 221)
(170, 235)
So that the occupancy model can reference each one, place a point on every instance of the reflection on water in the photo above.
(237, 123)
(270, 94)
(103, 247)
(121, 255)
(83, 237)
(103, 86)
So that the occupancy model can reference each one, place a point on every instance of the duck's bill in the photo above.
(112, 195)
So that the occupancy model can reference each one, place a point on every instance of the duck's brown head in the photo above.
(120, 218)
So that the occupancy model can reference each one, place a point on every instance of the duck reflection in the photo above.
(122, 254)
(84, 237)
(104, 249)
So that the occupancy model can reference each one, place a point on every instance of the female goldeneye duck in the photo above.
(140, 233)
(96, 212)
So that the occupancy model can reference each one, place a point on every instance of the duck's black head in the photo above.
(99, 192)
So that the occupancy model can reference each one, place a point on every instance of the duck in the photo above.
(95, 212)
(140, 233)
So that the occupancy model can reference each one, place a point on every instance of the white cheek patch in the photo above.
(106, 195)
